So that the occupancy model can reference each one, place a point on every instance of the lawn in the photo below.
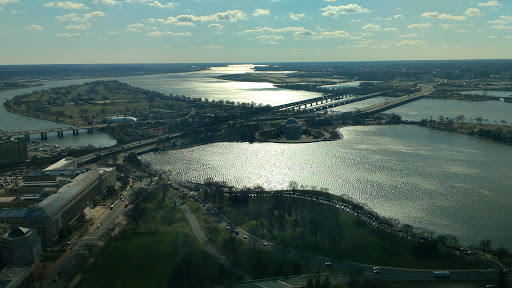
(156, 254)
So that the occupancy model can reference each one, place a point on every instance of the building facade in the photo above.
(12, 152)
(58, 210)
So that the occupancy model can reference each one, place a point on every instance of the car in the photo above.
(265, 244)
(328, 264)
(99, 224)
(376, 269)
(245, 237)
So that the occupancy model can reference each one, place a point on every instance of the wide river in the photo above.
(446, 182)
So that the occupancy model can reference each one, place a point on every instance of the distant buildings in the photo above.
(12, 152)
(72, 191)
(292, 130)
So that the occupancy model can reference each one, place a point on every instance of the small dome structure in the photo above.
(127, 120)
(292, 129)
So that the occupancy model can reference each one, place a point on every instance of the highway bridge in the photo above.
(59, 131)
(325, 102)
(138, 146)
(426, 89)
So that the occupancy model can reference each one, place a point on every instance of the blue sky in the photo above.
(151, 31)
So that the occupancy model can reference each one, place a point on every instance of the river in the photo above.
(446, 182)
(450, 183)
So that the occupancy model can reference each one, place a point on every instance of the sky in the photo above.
(257, 31)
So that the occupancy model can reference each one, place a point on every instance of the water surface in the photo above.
(446, 182)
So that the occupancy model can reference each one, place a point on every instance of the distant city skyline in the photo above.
(230, 31)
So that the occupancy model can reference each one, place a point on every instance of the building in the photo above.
(20, 246)
(12, 152)
(58, 210)
(67, 163)
(16, 276)
(124, 120)
(292, 129)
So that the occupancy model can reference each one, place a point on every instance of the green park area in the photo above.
(157, 248)
(77, 103)
(315, 228)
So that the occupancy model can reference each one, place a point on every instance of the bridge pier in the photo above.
(60, 134)
(90, 130)
(75, 132)
(27, 137)
(44, 136)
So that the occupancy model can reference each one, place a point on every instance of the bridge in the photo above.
(60, 131)
(324, 102)
(426, 89)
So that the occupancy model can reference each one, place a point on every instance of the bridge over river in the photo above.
(426, 89)
(59, 131)
(324, 102)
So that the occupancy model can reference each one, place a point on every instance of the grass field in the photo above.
(162, 252)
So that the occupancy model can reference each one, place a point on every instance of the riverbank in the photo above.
(492, 132)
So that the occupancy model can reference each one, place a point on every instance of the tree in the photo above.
(485, 245)
(479, 119)
(460, 118)
(504, 122)
(327, 282)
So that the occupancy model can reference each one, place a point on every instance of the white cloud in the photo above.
(390, 29)
(409, 35)
(334, 11)
(372, 27)
(472, 12)
(330, 0)
(398, 16)
(502, 27)
(436, 14)
(447, 26)
(270, 37)
(297, 16)
(67, 35)
(134, 27)
(489, 3)
(66, 5)
(152, 3)
(493, 37)
(106, 2)
(335, 34)
(157, 4)
(409, 43)
(260, 12)
(216, 26)
(211, 47)
(419, 26)
(5, 2)
(189, 20)
(35, 28)
(78, 27)
(158, 33)
(77, 18)
(274, 30)
(502, 20)
(305, 32)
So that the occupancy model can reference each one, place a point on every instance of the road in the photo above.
(198, 231)
(363, 271)
(107, 219)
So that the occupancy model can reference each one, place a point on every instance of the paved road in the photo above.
(206, 243)
(365, 271)
(80, 246)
